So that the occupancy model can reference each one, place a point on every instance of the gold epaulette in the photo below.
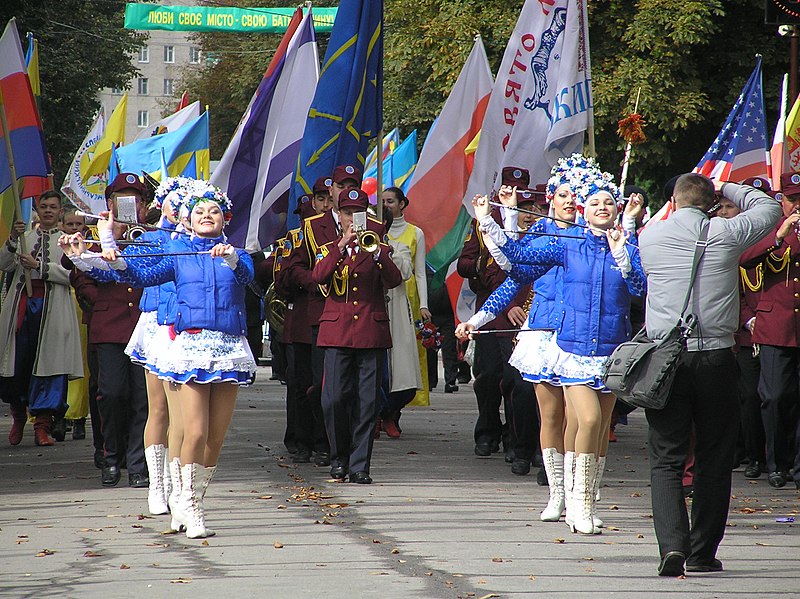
(311, 241)
(747, 283)
(778, 263)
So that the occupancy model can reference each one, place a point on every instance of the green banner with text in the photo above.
(205, 18)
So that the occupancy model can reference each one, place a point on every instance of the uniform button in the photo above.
(355, 317)
(797, 294)
(355, 275)
(130, 290)
(355, 288)
(355, 303)
(796, 280)
(797, 309)
(797, 263)
(130, 305)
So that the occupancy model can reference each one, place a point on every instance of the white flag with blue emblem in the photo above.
(541, 102)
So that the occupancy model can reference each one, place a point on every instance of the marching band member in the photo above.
(354, 330)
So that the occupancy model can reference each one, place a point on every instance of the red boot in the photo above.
(391, 428)
(41, 430)
(19, 415)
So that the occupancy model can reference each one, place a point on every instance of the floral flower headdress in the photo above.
(172, 190)
(203, 191)
(583, 177)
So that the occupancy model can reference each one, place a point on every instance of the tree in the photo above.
(83, 48)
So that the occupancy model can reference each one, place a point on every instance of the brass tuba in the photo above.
(276, 309)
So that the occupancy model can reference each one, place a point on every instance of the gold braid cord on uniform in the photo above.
(747, 283)
(340, 281)
(777, 264)
(526, 307)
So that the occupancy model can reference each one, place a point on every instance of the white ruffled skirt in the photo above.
(572, 369)
(206, 357)
(533, 356)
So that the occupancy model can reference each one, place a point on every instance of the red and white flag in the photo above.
(439, 182)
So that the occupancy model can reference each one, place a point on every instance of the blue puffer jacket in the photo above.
(209, 294)
(596, 311)
(158, 297)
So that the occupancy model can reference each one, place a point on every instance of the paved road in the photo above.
(438, 522)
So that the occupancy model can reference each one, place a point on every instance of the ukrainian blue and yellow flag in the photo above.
(347, 109)
(185, 152)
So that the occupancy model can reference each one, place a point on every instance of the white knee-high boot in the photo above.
(174, 499)
(156, 499)
(167, 477)
(569, 483)
(554, 466)
(601, 467)
(193, 478)
(585, 473)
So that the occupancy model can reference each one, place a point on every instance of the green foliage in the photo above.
(82, 49)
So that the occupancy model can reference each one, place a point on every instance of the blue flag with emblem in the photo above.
(346, 112)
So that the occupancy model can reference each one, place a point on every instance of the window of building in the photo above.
(117, 91)
(143, 119)
(194, 55)
(144, 54)
(169, 54)
(144, 86)
(169, 87)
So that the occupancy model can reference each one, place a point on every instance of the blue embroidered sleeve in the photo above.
(145, 270)
(501, 297)
(550, 253)
(636, 279)
(102, 276)
(244, 271)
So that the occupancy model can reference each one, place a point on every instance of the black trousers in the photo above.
(495, 382)
(321, 442)
(298, 406)
(750, 402)
(779, 390)
(446, 326)
(704, 394)
(123, 407)
(94, 409)
(350, 404)
(524, 418)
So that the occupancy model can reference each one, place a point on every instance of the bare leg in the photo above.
(607, 401)
(222, 404)
(175, 432)
(570, 423)
(585, 405)
(194, 399)
(551, 409)
(155, 430)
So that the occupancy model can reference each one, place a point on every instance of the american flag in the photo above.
(741, 148)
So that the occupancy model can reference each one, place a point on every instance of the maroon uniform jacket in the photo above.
(318, 231)
(778, 308)
(355, 310)
(484, 275)
(749, 294)
(115, 308)
(292, 282)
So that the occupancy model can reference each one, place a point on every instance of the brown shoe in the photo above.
(19, 415)
(41, 430)
(390, 428)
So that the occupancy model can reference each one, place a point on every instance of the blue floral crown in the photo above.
(172, 190)
(583, 177)
(202, 191)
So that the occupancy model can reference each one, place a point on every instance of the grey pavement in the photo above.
(438, 522)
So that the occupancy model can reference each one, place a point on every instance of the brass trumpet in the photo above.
(134, 232)
(368, 241)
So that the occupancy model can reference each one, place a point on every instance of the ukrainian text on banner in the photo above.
(541, 103)
(89, 196)
(205, 18)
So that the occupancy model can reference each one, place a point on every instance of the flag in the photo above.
(777, 153)
(24, 130)
(437, 187)
(390, 141)
(791, 150)
(404, 162)
(99, 154)
(172, 122)
(346, 112)
(32, 66)
(183, 102)
(541, 103)
(740, 149)
(185, 151)
(256, 168)
(89, 197)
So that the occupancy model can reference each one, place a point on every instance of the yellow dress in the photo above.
(78, 389)
(409, 238)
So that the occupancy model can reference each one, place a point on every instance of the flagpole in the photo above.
(379, 154)
(626, 160)
(17, 202)
(590, 128)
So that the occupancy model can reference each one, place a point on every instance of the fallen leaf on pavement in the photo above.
(124, 567)
(204, 543)
(44, 553)
(277, 545)
(395, 551)
(92, 554)
(181, 580)
(497, 560)
(559, 541)
(265, 497)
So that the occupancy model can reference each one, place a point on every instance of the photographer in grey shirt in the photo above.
(704, 394)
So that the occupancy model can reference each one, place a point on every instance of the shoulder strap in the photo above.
(699, 250)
